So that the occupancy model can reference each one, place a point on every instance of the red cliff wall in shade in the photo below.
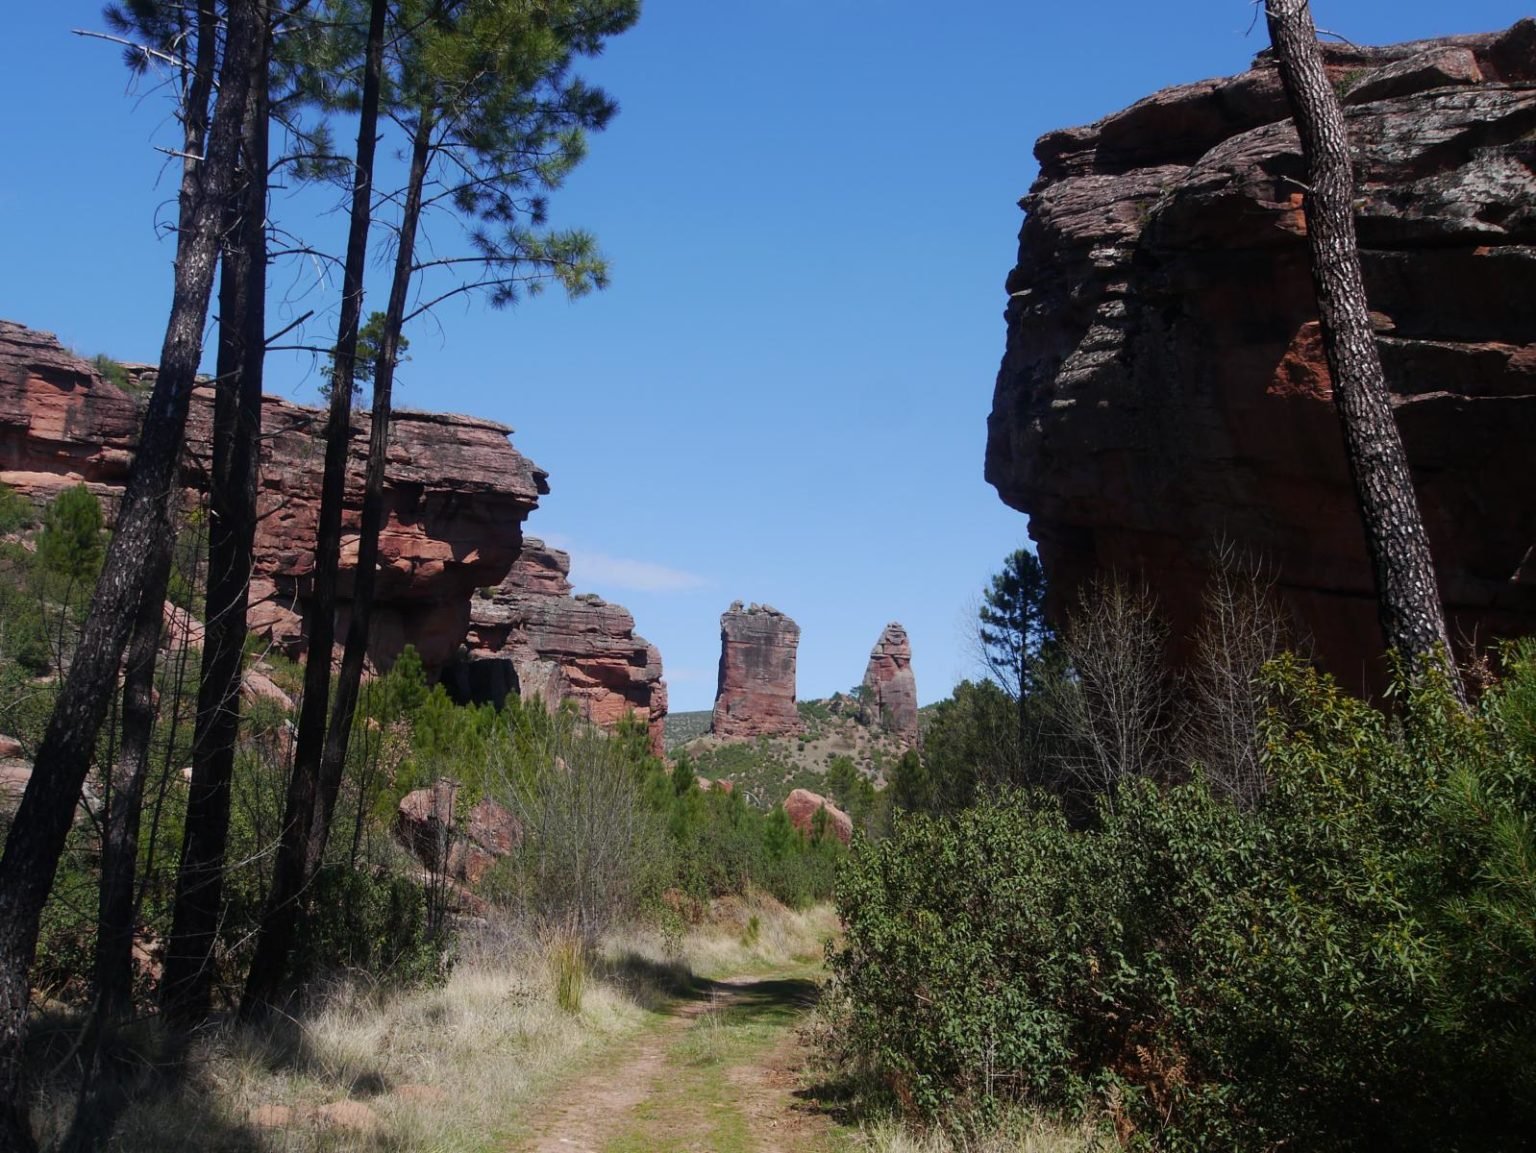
(1164, 387)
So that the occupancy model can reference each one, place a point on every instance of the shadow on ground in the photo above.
(149, 1090)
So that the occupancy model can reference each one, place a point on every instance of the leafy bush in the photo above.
(1350, 963)
(374, 922)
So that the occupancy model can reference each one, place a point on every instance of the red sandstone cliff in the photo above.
(1164, 386)
(532, 637)
(891, 687)
(756, 693)
(457, 492)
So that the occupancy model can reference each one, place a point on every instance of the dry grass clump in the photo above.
(441, 1068)
(445, 1068)
(746, 934)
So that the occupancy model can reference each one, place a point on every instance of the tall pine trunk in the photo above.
(1407, 598)
(125, 801)
(64, 755)
(333, 764)
(185, 991)
(290, 876)
(120, 844)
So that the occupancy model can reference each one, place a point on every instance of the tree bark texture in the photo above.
(64, 755)
(231, 539)
(290, 877)
(1407, 596)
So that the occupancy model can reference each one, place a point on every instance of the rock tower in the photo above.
(890, 689)
(756, 694)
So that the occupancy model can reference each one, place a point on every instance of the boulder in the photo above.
(257, 686)
(353, 1116)
(179, 629)
(1164, 392)
(802, 805)
(890, 688)
(530, 636)
(756, 693)
(13, 782)
(428, 824)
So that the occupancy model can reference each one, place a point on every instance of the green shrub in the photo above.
(1349, 964)
(114, 372)
(16, 512)
(372, 921)
(71, 544)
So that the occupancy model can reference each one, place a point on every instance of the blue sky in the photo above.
(809, 207)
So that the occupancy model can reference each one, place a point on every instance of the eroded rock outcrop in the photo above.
(531, 637)
(1164, 386)
(456, 493)
(430, 823)
(756, 693)
(802, 805)
(890, 688)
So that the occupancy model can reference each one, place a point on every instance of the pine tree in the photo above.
(483, 90)
(1013, 629)
(42, 822)
(1407, 596)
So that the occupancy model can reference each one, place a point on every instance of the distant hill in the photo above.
(680, 728)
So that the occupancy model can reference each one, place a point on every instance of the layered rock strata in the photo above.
(530, 637)
(890, 688)
(756, 693)
(456, 491)
(1164, 389)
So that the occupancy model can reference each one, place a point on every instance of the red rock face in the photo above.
(456, 492)
(429, 825)
(756, 694)
(531, 636)
(802, 805)
(1164, 387)
(890, 686)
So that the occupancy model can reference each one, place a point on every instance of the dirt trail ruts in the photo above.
(643, 1095)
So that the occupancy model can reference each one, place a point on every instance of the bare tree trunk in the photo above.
(334, 762)
(187, 985)
(120, 841)
(289, 875)
(1408, 601)
(63, 758)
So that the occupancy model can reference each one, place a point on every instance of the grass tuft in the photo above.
(568, 964)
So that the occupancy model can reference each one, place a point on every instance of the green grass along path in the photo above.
(719, 1073)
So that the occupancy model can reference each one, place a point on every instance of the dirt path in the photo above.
(718, 1076)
